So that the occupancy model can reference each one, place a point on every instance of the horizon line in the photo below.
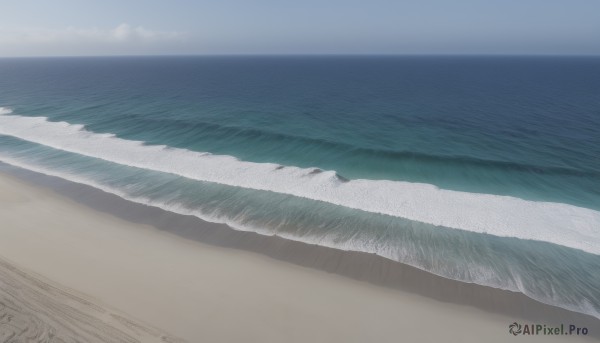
(308, 55)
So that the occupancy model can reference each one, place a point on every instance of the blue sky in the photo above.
(127, 27)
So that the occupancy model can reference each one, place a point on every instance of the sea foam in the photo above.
(506, 216)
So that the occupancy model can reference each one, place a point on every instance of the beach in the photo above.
(342, 164)
(392, 171)
(182, 288)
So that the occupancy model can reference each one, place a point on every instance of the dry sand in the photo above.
(33, 309)
(194, 291)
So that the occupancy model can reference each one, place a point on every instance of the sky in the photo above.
(187, 27)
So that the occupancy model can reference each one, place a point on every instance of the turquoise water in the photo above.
(478, 169)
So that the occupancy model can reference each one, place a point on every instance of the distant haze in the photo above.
(179, 27)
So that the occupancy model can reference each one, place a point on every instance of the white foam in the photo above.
(5, 110)
(478, 274)
(556, 223)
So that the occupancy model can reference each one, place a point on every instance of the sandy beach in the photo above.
(34, 309)
(70, 272)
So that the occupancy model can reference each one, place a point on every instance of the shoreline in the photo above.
(376, 280)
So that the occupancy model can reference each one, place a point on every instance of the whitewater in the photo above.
(498, 215)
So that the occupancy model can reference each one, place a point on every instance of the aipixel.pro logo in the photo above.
(516, 329)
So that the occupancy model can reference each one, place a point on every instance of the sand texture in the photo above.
(33, 309)
(152, 270)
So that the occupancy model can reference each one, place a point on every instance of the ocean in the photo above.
(476, 168)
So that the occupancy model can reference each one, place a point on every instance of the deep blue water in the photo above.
(525, 128)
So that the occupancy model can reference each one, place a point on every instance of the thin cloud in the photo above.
(123, 33)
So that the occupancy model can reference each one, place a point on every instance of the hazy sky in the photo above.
(128, 27)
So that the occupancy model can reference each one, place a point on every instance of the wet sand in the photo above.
(206, 282)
